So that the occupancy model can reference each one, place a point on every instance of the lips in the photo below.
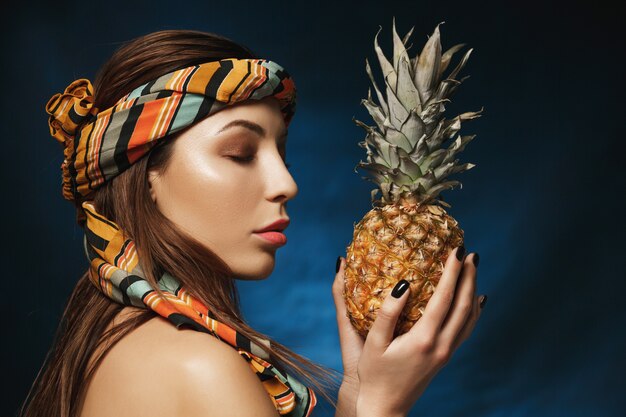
(272, 233)
(274, 238)
(277, 226)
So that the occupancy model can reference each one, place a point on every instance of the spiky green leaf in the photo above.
(428, 66)
(375, 111)
(399, 177)
(447, 56)
(407, 92)
(386, 67)
(405, 152)
(399, 51)
(413, 128)
(461, 64)
(381, 98)
(397, 112)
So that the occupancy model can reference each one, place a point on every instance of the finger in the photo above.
(463, 304)
(348, 336)
(338, 293)
(380, 334)
(468, 328)
(437, 308)
(338, 288)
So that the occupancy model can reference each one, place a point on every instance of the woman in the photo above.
(175, 161)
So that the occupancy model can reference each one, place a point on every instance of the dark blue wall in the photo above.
(544, 205)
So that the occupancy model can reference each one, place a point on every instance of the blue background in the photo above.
(544, 205)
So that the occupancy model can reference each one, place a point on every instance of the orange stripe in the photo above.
(129, 253)
(165, 116)
(178, 80)
(196, 304)
(227, 334)
(128, 104)
(171, 83)
(143, 126)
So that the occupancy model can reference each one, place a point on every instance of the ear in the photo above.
(153, 179)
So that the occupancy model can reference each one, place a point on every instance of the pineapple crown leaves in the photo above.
(404, 148)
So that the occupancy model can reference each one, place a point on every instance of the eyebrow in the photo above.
(254, 127)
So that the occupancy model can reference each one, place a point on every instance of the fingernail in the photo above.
(400, 288)
(460, 252)
(483, 301)
(338, 264)
(476, 258)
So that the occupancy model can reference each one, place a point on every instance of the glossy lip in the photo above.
(278, 226)
(273, 238)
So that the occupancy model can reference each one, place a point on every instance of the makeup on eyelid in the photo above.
(243, 148)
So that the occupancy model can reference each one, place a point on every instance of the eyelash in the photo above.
(251, 158)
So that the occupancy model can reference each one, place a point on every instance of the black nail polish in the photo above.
(400, 288)
(338, 264)
(483, 301)
(460, 252)
(476, 258)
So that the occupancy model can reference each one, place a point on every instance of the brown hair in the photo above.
(60, 385)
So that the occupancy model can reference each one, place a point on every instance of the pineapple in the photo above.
(407, 234)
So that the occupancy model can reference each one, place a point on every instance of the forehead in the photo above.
(254, 127)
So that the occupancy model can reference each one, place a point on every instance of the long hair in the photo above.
(59, 387)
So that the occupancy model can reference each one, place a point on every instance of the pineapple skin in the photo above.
(398, 241)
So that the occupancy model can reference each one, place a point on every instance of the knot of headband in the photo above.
(113, 139)
(70, 108)
(67, 111)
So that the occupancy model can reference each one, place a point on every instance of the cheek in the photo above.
(209, 198)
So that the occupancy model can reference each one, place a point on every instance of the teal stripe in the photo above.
(136, 92)
(189, 106)
(168, 283)
(136, 290)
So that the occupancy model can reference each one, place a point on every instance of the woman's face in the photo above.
(227, 178)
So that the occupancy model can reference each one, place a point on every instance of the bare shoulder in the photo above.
(160, 370)
(216, 380)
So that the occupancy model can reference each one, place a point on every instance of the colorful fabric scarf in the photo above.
(111, 140)
(116, 270)
(98, 145)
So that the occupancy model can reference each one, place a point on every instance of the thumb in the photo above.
(347, 333)
(350, 340)
(381, 333)
(337, 290)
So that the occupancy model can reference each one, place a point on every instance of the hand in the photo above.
(393, 373)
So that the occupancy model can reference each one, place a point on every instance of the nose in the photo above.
(281, 187)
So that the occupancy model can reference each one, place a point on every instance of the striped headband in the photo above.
(111, 140)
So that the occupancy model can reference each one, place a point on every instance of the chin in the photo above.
(261, 269)
(252, 276)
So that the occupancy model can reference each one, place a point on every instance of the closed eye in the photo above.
(249, 159)
(242, 159)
